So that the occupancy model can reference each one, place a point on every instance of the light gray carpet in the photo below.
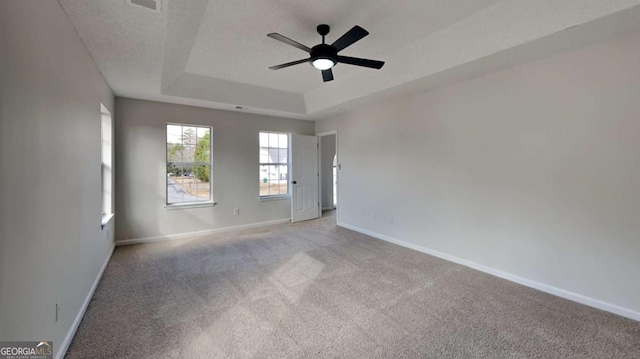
(315, 290)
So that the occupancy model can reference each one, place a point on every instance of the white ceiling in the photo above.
(216, 53)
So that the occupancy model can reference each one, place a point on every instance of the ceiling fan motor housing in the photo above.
(324, 51)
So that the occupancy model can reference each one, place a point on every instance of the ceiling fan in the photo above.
(323, 56)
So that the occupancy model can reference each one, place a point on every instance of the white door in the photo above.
(304, 179)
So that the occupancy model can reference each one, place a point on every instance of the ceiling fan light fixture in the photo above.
(323, 63)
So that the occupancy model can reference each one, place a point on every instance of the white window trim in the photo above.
(107, 215)
(277, 197)
(106, 219)
(186, 205)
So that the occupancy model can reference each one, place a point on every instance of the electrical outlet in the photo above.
(58, 309)
(391, 221)
(373, 217)
(236, 211)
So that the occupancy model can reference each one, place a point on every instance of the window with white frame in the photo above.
(335, 180)
(107, 163)
(274, 164)
(189, 162)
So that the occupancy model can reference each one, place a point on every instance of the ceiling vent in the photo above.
(155, 5)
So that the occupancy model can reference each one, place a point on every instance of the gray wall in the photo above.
(328, 148)
(533, 171)
(51, 245)
(141, 176)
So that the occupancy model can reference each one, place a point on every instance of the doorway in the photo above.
(329, 170)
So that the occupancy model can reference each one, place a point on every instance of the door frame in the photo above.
(320, 135)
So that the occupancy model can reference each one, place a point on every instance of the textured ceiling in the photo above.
(232, 45)
(216, 53)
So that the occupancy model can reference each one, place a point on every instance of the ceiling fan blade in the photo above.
(327, 75)
(282, 66)
(288, 41)
(374, 64)
(356, 33)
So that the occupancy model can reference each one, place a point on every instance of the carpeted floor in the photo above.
(311, 289)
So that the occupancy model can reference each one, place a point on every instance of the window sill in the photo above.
(275, 198)
(171, 207)
(106, 218)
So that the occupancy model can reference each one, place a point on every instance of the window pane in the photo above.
(174, 190)
(283, 172)
(273, 180)
(188, 143)
(189, 135)
(264, 139)
(282, 155)
(202, 151)
(174, 152)
(200, 182)
(202, 132)
(264, 155)
(264, 180)
(284, 141)
(174, 143)
(273, 140)
(174, 134)
(273, 155)
(283, 179)
(273, 172)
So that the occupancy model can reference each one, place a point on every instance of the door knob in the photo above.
(294, 182)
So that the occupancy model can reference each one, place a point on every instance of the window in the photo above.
(106, 157)
(188, 165)
(274, 164)
(335, 180)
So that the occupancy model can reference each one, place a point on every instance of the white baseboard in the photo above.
(76, 322)
(592, 302)
(199, 233)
